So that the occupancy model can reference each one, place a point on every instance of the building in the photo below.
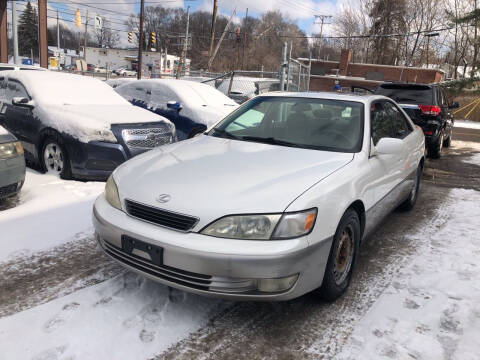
(323, 74)
(153, 62)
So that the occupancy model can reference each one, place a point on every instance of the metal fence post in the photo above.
(282, 66)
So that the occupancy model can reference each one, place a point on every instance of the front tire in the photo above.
(448, 141)
(341, 260)
(54, 157)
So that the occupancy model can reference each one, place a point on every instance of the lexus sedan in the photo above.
(76, 126)
(271, 203)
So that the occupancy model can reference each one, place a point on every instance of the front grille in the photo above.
(160, 217)
(7, 190)
(147, 138)
(181, 277)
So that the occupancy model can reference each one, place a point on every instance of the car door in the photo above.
(386, 170)
(18, 119)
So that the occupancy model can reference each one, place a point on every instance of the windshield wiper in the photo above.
(226, 133)
(271, 140)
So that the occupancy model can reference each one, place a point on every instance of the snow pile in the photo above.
(467, 124)
(49, 212)
(127, 317)
(432, 310)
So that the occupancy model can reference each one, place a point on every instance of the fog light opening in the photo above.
(276, 285)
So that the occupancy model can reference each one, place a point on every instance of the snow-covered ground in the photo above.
(474, 159)
(432, 309)
(50, 212)
(467, 124)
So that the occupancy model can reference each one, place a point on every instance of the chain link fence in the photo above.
(298, 76)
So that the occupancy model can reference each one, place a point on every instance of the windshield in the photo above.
(201, 94)
(323, 124)
(409, 94)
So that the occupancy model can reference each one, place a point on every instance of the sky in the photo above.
(301, 11)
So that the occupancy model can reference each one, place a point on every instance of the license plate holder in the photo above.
(138, 249)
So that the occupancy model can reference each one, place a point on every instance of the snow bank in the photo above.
(127, 317)
(432, 309)
(474, 159)
(467, 124)
(49, 213)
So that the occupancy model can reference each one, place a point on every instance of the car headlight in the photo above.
(107, 136)
(263, 226)
(11, 149)
(111, 193)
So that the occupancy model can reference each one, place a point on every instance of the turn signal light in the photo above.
(429, 109)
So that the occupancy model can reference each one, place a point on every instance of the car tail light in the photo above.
(428, 132)
(429, 109)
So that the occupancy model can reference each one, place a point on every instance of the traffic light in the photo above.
(78, 18)
(153, 38)
(130, 37)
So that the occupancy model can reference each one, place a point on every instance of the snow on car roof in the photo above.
(59, 88)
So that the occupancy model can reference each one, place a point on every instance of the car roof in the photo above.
(363, 98)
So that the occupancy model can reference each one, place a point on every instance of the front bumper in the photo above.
(12, 176)
(212, 266)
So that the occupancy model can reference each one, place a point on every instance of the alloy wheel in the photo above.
(53, 158)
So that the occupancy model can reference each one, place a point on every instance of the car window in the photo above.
(312, 123)
(380, 122)
(162, 94)
(400, 126)
(15, 89)
(3, 89)
(407, 93)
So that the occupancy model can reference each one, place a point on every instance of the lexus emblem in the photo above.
(163, 198)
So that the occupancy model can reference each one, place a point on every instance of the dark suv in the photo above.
(428, 107)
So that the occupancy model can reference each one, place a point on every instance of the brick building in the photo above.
(324, 73)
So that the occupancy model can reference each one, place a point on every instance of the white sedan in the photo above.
(271, 203)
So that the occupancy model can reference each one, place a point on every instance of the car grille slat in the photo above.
(185, 278)
(147, 138)
(160, 217)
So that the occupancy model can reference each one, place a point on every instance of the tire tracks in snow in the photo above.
(33, 279)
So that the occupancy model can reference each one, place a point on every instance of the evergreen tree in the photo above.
(28, 31)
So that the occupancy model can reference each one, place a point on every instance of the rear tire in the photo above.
(434, 150)
(54, 158)
(408, 204)
(448, 141)
(341, 260)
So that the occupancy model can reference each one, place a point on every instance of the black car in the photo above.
(76, 126)
(428, 107)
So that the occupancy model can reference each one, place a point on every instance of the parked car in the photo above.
(428, 107)
(90, 67)
(244, 88)
(6, 67)
(100, 69)
(126, 72)
(12, 165)
(273, 202)
(76, 126)
(191, 106)
(118, 81)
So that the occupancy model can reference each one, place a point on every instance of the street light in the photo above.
(428, 36)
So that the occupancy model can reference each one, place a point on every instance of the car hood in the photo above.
(209, 177)
(87, 122)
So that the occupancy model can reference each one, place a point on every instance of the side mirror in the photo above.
(389, 146)
(454, 105)
(22, 101)
(174, 105)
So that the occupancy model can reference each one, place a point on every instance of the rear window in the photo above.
(407, 94)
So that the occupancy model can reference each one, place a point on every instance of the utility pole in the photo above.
(42, 33)
(58, 35)
(210, 61)
(320, 19)
(428, 36)
(283, 66)
(85, 36)
(244, 39)
(140, 41)
(183, 57)
(3, 32)
(212, 34)
(15, 32)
